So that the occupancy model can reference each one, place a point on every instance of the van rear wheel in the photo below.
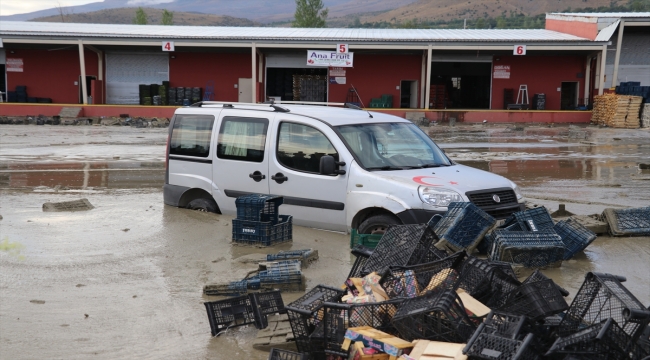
(204, 205)
(377, 224)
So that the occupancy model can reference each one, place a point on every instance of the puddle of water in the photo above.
(83, 175)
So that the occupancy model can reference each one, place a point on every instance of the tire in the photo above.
(204, 205)
(377, 224)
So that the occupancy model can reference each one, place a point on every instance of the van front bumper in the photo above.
(418, 216)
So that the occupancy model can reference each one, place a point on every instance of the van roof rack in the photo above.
(233, 105)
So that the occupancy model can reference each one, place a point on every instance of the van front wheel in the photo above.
(205, 205)
(377, 224)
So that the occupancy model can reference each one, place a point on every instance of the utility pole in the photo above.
(464, 24)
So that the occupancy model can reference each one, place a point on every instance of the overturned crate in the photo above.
(530, 249)
(243, 310)
(487, 282)
(502, 336)
(574, 235)
(415, 280)
(462, 227)
(434, 316)
(259, 207)
(535, 299)
(602, 296)
(306, 312)
(628, 222)
(400, 245)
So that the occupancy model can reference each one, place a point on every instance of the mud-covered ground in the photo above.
(125, 279)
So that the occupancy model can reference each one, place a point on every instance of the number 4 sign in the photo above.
(519, 50)
(342, 48)
(167, 46)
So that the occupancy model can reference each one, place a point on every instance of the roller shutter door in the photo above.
(126, 71)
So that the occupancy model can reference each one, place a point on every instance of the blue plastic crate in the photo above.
(259, 207)
(462, 227)
(622, 222)
(574, 235)
(527, 248)
(541, 219)
(233, 288)
(283, 265)
(290, 254)
(262, 233)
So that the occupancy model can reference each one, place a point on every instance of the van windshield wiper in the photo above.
(433, 165)
(385, 168)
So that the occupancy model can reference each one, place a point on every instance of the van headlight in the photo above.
(438, 197)
(515, 188)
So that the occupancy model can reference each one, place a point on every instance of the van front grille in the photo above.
(485, 200)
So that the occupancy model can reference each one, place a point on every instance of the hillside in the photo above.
(438, 10)
(154, 16)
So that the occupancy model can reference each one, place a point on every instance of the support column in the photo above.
(617, 57)
(422, 80)
(603, 61)
(254, 71)
(82, 64)
(428, 80)
(587, 81)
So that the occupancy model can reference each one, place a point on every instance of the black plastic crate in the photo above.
(277, 354)
(485, 282)
(490, 346)
(507, 325)
(594, 341)
(400, 245)
(535, 219)
(506, 267)
(259, 207)
(362, 254)
(462, 227)
(527, 248)
(229, 313)
(434, 316)
(602, 296)
(538, 276)
(268, 303)
(574, 235)
(535, 300)
(410, 281)
(486, 244)
(305, 312)
(262, 233)
(337, 318)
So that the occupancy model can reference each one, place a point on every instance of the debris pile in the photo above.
(421, 294)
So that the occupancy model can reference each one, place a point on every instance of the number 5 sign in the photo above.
(519, 50)
(167, 46)
(342, 48)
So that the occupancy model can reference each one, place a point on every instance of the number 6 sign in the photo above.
(519, 50)
(342, 48)
(167, 46)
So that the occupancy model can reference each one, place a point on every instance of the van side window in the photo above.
(191, 135)
(242, 138)
(300, 147)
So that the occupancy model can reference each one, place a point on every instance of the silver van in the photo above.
(337, 168)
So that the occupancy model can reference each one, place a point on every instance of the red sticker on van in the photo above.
(420, 180)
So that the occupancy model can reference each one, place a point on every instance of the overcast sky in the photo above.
(10, 7)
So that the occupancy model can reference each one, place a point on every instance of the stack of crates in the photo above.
(527, 248)
(258, 221)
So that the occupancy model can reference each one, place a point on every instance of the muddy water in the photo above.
(125, 279)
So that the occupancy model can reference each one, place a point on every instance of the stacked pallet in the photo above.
(618, 111)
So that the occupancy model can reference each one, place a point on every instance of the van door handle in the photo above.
(257, 176)
(279, 178)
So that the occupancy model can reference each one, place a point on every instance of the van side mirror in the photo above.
(328, 166)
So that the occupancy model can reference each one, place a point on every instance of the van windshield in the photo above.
(392, 146)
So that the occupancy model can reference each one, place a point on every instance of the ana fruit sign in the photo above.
(329, 58)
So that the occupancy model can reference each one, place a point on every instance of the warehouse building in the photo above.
(476, 70)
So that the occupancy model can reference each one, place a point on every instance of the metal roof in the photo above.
(76, 30)
(608, 14)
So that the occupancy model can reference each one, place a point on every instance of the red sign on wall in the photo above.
(14, 65)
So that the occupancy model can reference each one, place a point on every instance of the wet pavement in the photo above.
(125, 279)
